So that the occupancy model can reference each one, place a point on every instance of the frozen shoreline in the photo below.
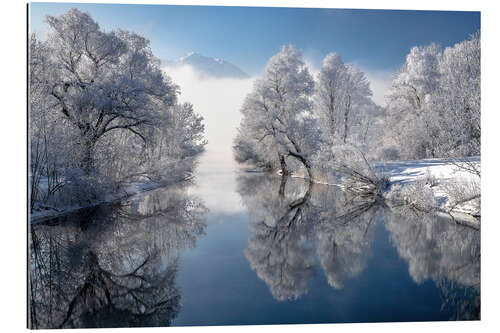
(432, 176)
(438, 175)
(128, 191)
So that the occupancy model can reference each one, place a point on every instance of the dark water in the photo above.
(241, 248)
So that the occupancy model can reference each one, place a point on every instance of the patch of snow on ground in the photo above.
(442, 171)
(410, 171)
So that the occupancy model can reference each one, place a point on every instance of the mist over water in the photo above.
(219, 101)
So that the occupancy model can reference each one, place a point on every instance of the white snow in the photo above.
(129, 190)
(443, 173)
(410, 171)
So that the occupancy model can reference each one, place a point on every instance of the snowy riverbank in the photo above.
(438, 183)
(129, 190)
(429, 185)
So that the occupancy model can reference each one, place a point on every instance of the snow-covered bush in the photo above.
(417, 196)
(356, 173)
(82, 189)
(430, 179)
(464, 195)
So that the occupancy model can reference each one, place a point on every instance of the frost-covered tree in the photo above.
(435, 101)
(285, 117)
(348, 119)
(410, 113)
(45, 132)
(169, 154)
(102, 112)
(357, 94)
(460, 97)
(341, 90)
(104, 81)
(277, 118)
(330, 94)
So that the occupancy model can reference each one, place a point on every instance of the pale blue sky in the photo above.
(248, 36)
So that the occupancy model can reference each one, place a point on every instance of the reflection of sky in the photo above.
(219, 102)
(215, 184)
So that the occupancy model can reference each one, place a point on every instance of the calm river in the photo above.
(250, 248)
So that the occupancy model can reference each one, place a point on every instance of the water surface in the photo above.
(250, 248)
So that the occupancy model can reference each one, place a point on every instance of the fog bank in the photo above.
(219, 101)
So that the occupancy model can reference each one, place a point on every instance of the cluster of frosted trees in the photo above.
(102, 113)
(434, 104)
(291, 118)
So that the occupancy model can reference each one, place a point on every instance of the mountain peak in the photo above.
(206, 66)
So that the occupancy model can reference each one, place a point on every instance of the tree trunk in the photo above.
(87, 163)
(305, 162)
(282, 186)
(346, 117)
(332, 115)
(309, 169)
(284, 167)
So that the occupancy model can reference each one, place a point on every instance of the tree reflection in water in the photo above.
(293, 221)
(447, 253)
(112, 266)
